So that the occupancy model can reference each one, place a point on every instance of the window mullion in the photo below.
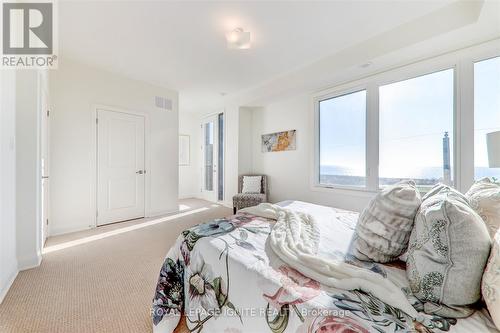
(372, 137)
(465, 125)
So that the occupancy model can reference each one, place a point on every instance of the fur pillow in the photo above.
(448, 250)
(490, 285)
(484, 197)
(384, 227)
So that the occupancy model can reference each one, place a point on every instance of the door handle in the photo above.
(140, 172)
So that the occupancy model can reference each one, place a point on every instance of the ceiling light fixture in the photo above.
(238, 39)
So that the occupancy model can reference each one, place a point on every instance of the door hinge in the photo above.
(47, 222)
(96, 213)
(48, 113)
(97, 121)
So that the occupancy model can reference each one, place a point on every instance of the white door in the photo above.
(120, 166)
(209, 129)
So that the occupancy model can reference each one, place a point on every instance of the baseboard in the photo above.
(162, 212)
(189, 196)
(5, 289)
(226, 204)
(29, 262)
(62, 231)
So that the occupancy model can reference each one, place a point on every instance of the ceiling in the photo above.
(181, 45)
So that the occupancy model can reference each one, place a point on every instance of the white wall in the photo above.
(189, 175)
(245, 130)
(8, 256)
(231, 121)
(75, 90)
(27, 170)
(289, 171)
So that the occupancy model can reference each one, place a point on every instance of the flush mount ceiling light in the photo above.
(238, 39)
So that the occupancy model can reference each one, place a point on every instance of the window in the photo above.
(416, 130)
(486, 113)
(413, 122)
(342, 138)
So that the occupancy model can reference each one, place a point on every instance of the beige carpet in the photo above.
(100, 280)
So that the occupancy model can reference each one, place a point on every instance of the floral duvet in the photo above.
(222, 277)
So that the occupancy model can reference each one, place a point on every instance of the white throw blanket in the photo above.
(295, 239)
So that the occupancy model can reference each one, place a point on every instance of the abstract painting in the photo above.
(279, 141)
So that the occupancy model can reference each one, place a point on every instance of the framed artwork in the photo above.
(184, 152)
(279, 141)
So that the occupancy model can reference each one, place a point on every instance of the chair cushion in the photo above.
(384, 227)
(243, 200)
(484, 197)
(252, 184)
(447, 253)
(249, 197)
(490, 286)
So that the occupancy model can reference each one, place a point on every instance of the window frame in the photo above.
(466, 60)
(317, 146)
(414, 75)
(475, 59)
(462, 64)
(317, 100)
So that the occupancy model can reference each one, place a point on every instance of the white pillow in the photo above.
(252, 184)
(484, 198)
(490, 286)
(384, 226)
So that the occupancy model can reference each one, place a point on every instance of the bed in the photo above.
(221, 276)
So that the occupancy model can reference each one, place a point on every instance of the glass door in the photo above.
(213, 158)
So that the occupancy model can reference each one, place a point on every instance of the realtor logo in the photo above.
(28, 35)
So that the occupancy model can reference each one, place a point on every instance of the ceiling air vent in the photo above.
(163, 103)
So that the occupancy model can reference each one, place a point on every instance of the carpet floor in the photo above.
(99, 280)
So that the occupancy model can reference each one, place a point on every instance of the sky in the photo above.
(486, 105)
(414, 116)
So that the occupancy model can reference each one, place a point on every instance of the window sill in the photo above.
(349, 190)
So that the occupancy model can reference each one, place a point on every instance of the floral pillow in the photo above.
(490, 286)
(484, 198)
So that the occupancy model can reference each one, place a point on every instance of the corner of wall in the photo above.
(5, 289)
(28, 262)
(8, 257)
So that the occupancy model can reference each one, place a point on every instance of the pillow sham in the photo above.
(448, 249)
(252, 184)
(490, 285)
(384, 227)
(484, 197)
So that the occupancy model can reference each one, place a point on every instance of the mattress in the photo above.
(221, 276)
